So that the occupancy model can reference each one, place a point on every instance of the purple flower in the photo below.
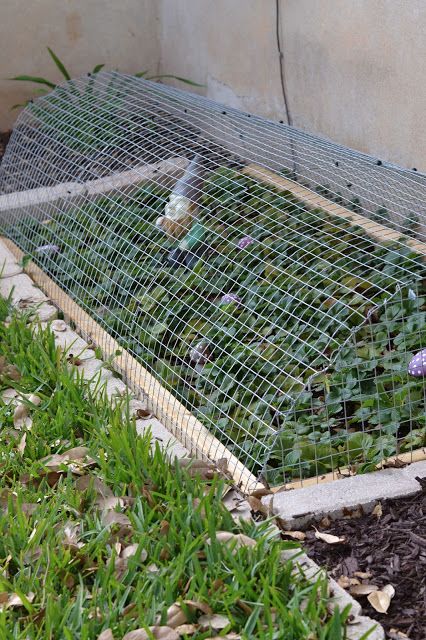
(417, 365)
(230, 298)
(245, 242)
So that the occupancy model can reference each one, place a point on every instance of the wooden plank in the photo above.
(181, 422)
(313, 201)
(163, 173)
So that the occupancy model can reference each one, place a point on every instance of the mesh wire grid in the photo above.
(284, 328)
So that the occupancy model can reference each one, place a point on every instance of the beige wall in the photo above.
(120, 33)
(355, 70)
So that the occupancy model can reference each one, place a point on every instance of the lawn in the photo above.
(286, 331)
(101, 534)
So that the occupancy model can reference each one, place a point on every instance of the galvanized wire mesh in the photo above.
(285, 326)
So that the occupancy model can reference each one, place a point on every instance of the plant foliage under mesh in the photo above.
(262, 390)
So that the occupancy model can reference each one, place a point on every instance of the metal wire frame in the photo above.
(100, 126)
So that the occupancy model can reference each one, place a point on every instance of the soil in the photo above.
(391, 547)
(4, 139)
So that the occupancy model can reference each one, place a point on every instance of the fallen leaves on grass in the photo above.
(12, 600)
(199, 468)
(380, 600)
(8, 371)
(106, 635)
(75, 459)
(235, 540)
(214, 621)
(159, 633)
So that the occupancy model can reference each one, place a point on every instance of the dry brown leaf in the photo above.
(186, 629)
(325, 522)
(13, 600)
(260, 493)
(70, 535)
(363, 575)
(236, 539)
(114, 517)
(109, 504)
(164, 528)
(106, 635)
(378, 510)
(363, 589)
(295, 535)
(102, 490)
(394, 634)
(159, 633)
(8, 395)
(175, 616)
(228, 636)
(195, 605)
(75, 459)
(199, 468)
(131, 550)
(22, 444)
(152, 568)
(344, 582)
(214, 621)
(143, 414)
(380, 600)
(328, 537)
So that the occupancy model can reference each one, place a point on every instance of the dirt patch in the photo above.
(390, 546)
(4, 139)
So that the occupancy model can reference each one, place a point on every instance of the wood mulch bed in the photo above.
(4, 139)
(390, 546)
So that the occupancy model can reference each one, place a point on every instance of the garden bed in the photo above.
(282, 382)
(124, 539)
(382, 548)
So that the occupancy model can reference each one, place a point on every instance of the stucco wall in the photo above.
(354, 70)
(120, 33)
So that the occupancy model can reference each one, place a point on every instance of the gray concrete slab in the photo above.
(163, 436)
(300, 507)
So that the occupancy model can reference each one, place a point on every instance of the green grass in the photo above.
(61, 557)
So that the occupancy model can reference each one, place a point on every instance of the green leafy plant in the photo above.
(282, 380)
(67, 76)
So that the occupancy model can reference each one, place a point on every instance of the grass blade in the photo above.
(35, 79)
(59, 64)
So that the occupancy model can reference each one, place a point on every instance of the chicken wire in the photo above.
(285, 328)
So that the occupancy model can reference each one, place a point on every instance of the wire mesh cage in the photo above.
(272, 283)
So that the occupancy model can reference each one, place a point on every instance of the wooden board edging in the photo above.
(160, 172)
(177, 418)
(313, 201)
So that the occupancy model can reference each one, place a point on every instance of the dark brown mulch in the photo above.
(392, 548)
(4, 139)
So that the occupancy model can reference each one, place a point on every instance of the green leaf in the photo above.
(140, 74)
(35, 79)
(98, 68)
(59, 64)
